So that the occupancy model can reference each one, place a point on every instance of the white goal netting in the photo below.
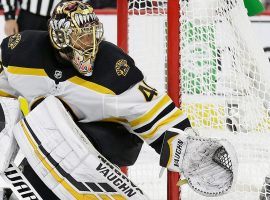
(225, 84)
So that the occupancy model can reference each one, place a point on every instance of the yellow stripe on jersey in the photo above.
(176, 115)
(150, 114)
(5, 94)
(90, 85)
(26, 71)
(77, 195)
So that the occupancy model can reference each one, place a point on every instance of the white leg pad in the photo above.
(8, 145)
(65, 159)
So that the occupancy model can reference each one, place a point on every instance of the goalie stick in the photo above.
(19, 184)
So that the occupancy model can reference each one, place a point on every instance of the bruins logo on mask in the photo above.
(14, 40)
(121, 67)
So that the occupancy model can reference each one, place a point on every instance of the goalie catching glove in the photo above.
(209, 165)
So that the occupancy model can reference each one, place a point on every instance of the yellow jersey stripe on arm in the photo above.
(90, 85)
(150, 114)
(26, 71)
(177, 114)
(5, 94)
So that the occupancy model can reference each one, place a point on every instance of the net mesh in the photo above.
(224, 82)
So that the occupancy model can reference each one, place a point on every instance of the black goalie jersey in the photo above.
(115, 92)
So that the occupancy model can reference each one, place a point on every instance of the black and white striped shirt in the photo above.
(39, 7)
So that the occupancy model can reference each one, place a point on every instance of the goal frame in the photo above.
(173, 57)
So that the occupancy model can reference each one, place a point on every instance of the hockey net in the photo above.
(225, 85)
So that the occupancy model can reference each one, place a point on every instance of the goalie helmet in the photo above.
(75, 30)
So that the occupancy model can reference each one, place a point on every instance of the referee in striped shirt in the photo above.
(33, 14)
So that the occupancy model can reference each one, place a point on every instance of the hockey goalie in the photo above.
(89, 111)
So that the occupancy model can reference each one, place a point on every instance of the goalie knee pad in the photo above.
(209, 165)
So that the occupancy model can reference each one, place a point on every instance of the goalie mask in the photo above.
(75, 30)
